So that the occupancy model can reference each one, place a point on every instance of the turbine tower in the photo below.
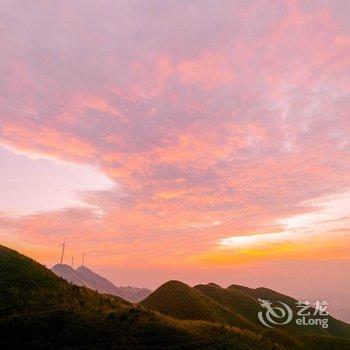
(62, 254)
(82, 262)
(71, 265)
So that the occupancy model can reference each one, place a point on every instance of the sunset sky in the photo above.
(193, 140)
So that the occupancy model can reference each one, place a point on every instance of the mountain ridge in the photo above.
(41, 310)
(178, 300)
(83, 276)
(336, 327)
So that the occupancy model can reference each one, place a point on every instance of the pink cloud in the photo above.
(208, 71)
(213, 121)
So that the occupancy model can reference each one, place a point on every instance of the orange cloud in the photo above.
(207, 134)
(209, 71)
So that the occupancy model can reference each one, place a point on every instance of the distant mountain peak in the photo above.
(83, 268)
(69, 274)
(83, 276)
(62, 266)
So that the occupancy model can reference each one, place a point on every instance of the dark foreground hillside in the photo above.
(39, 310)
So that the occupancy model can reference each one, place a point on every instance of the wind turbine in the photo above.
(62, 254)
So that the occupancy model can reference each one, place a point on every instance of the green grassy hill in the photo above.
(212, 302)
(28, 287)
(39, 310)
(178, 300)
(335, 328)
(248, 305)
(235, 300)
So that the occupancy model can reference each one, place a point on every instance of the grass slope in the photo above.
(211, 302)
(178, 300)
(336, 328)
(235, 300)
(40, 310)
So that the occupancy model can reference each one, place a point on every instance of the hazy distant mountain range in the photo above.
(342, 313)
(83, 276)
(39, 310)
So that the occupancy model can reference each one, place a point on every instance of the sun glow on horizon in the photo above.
(327, 215)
